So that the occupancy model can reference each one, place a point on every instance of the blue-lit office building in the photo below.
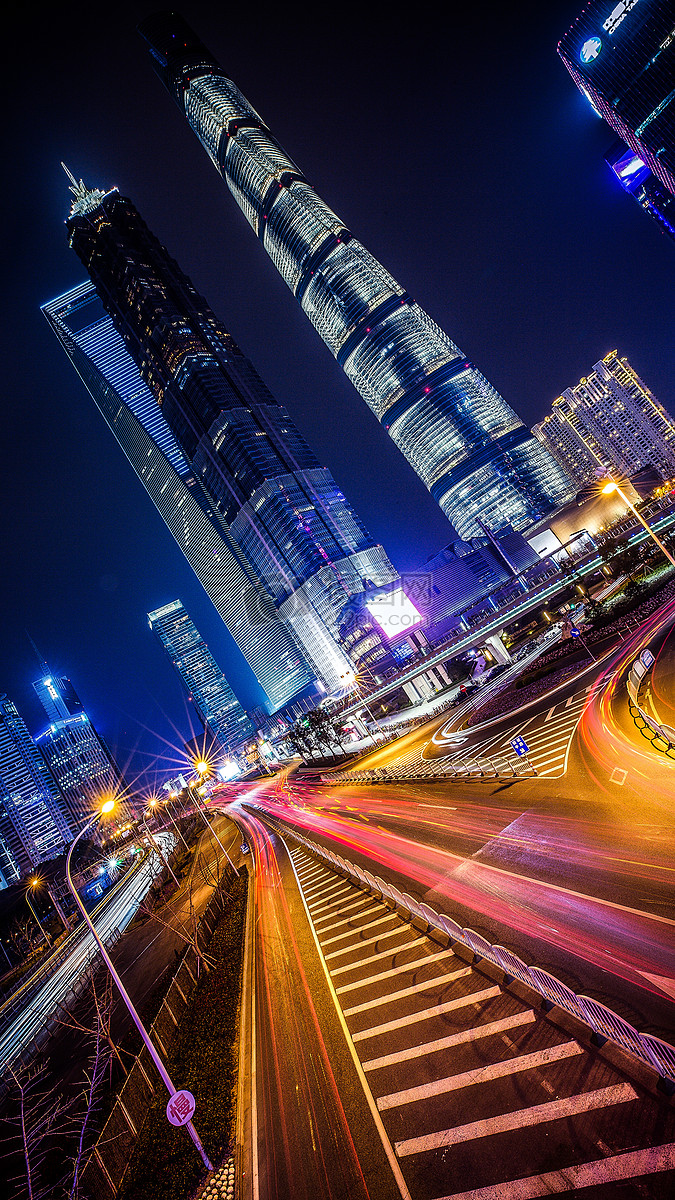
(289, 519)
(220, 713)
(76, 754)
(33, 824)
(468, 446)
(131, 412)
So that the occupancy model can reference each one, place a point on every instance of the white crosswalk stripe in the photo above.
(547, 737)
(457, 1059)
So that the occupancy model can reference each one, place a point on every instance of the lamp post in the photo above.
(163, 1073)
(32, 884)
(35, 882)
(612, 486)
(156, 846)
(203, 769)
(153, 804)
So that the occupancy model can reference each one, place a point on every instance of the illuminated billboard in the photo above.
(394, 612)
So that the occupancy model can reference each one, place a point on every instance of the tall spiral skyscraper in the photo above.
(465, 442)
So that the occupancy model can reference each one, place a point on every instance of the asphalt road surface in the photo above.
(572, 869)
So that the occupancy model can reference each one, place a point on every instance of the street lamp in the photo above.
(153, 804)
(203, 768)
(33, 883)
(36, 882)
(612, 486)
(156, 846)
(163, 1073)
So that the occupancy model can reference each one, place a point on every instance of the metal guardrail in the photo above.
(641, 719)
(605, 1024)
(498, 767)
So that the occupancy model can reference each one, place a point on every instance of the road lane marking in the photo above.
(497, 1070)
(413, 966)
(371, 941)
(437, 1010)
(550, 713)
(582, 1175)
(539, 1114)
(346, 891)
(357, 904)
(359, 929)
(324, 888)
(453, 1039)
(377, 1119)
(373, 958)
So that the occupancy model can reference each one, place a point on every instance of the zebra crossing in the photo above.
(547, 735)
(479, 1095)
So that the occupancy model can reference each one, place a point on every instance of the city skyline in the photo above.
(508, 262)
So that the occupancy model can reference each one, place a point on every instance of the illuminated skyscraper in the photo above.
(76, 754)
(622, 57)
(33, 825)
(284, 510)
(130, 410)
(215, 703)
(609, 419)
(464, 441)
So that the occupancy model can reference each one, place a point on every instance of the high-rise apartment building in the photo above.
(75, 752)
(467, 445)
(215, 703)
(609, 419)
(33, 825)
(131, 412)
(622, 57)
(303, 540)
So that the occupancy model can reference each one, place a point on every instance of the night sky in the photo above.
(460, 153)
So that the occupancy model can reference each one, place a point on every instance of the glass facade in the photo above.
(215, 703)
(622, 57)
(32, 821)
(609, 419)
(75, 753)
(465, 442)
(282, 509)
(129, 408)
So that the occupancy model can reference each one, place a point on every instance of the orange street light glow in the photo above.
(108, 806)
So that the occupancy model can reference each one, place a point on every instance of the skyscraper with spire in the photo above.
(468, 446)
(76, 754)
(289, 519)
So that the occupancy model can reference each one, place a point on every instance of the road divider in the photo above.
(650, 729)
(603, 1025)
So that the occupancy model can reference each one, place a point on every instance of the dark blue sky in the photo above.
(456, 148)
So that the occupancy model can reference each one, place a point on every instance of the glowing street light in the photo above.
(612, 486)
(163, 1073)
(32, 883)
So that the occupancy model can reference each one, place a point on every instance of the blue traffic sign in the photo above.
(574, 632)
(520, 746)
(647, 658)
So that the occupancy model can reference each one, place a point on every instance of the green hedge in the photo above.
(165, 1162)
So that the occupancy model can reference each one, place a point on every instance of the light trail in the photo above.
(305, 1145)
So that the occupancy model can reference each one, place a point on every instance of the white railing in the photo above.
(605, 1024)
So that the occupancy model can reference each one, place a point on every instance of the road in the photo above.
(573, 869)
(27, 1012)
(385, 1064)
